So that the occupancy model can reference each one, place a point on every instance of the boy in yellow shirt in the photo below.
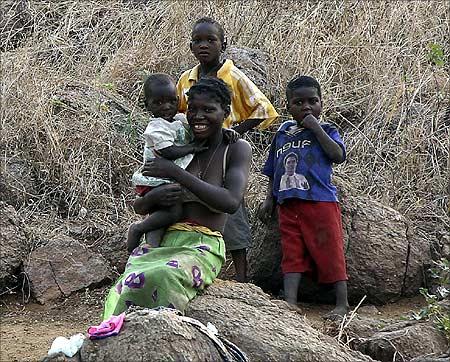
(250, 108)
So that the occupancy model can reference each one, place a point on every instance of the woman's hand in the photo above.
(157, 197)
(166, 195)
(160, 167)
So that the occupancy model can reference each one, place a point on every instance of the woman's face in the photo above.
(291, 165)
(205, 115)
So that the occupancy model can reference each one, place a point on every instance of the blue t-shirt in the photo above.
(298, 165)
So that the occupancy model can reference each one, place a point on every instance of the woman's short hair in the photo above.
(215, 88)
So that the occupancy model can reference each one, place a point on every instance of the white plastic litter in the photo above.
(212, 328)
(67, 346)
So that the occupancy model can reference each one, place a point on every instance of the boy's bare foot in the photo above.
(134, 236)
(337, 313)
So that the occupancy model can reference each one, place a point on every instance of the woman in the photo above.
(192, 252)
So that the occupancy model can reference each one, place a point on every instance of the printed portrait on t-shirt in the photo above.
(290, 179)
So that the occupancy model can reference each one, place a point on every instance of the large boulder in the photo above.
(148, 336)
(14, 245)
(385, 258)
(62, 267)
(264, 329)
(404, 341)
(253, 62)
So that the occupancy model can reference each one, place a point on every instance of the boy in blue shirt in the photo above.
(299, 167)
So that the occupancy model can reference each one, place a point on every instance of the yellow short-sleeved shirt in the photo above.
(247, 101)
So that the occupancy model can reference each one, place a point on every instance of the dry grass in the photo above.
(372, 58)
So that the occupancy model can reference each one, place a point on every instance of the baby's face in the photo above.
(163, 102)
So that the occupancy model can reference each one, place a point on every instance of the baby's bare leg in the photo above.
(153, 226)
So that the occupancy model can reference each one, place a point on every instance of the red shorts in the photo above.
(142, 190)
(311, 239)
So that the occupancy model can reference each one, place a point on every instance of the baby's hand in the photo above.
(198, 147)
(310, 122)
(230, 135)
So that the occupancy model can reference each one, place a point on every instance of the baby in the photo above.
(167, 135)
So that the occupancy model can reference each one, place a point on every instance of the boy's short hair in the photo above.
(301, 82)
(290, 155)
(211, 21)
(215, 88)
(156, 79)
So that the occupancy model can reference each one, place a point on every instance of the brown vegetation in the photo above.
(71, 95)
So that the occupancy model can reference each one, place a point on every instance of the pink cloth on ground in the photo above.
(110, 327)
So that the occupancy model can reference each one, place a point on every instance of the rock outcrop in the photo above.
(264, 329)
(13, 245)
(404, 341)
(145, 336)
(62, 267)
(253, 62)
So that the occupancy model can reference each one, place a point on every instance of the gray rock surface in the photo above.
(17, 181)
(152, 337)
(265, 330)
(62, 267)
(385, 258)
(404, 341)
(14, 245)
(253, 62)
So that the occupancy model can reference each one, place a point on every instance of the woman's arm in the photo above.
(227, 198)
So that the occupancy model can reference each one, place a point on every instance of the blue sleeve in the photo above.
(268, 168)
(332, 131)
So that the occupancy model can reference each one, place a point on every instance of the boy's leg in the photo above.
(342, 307)
(154, 224)
(321, 222)
(237, 236)
(291, 281)
(295, 259)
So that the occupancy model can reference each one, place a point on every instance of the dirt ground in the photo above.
(28, 329)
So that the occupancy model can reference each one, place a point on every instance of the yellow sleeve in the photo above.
(255, 103)
(182, 84)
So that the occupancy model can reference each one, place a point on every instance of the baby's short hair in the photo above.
(300, 82)
(156, 79)
(211, 21)
(215, 88)
(290, 155)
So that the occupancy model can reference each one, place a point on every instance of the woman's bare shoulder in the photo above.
(241, 149)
